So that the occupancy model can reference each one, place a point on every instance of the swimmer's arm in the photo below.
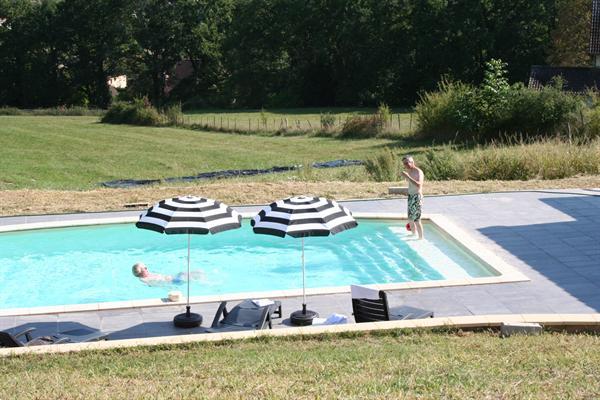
(156, 282)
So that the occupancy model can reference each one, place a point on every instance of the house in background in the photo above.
(182, 70)
(576, 79)
(115, 83)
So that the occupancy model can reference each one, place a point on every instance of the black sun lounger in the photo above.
(72, 336)
(244, 316)
(369, 305)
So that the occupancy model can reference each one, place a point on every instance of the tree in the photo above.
(204, 24)
(29, 62)
(94, 37)
(570, 37)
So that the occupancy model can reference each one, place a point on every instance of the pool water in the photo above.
(93, 264)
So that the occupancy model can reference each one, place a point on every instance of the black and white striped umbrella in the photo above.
(301, 217)
(189, 215)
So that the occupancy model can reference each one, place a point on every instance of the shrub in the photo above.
(263, 117)
(592, 128)
(494, 109)
(327, 121)
(139, 112)
(382, 167)
(449, 112)
(10, 111)
(385, 114)
(544, 112)
(58, 111)
(173, 114)
(441, 165)
(361, 127)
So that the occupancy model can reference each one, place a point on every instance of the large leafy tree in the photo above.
(273, 52)
(94, 37)
(570, 36)
(157, 27)
(203, 28)
(521, 31)
(29, 60)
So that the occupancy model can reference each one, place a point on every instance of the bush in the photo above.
(382, 167)
(494, 109)
(441, 165)
(544, 112)
(592, 128)
(385, 114)
(361, 127)
(173, 114)
(139, 112)
(263, 117)
(10, 111)
(327, 121)
(449, 112)
(55, 111)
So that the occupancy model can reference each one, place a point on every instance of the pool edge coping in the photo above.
(470, 322)
(507, 272)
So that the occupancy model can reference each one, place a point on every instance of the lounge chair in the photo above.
(72, 336)
(370, 305)
(244, 316)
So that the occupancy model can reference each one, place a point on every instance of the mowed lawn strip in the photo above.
(377, 366)
(79, 152)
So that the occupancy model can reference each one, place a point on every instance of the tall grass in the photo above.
(549, 158)
(382, 167)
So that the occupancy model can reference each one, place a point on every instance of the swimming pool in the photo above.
(92, 264)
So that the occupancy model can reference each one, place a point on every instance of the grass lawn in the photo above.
(79, 152)
(391, 365)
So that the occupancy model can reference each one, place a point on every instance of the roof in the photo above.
(595, 28)
(577, 79)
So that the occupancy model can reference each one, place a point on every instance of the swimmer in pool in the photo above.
(140, 270)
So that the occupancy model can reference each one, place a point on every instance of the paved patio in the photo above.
(553, 237)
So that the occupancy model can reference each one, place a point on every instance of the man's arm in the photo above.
(416, 182)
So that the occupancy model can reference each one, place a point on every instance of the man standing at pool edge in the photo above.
(415, 178)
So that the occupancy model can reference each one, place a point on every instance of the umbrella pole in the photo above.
(303, 282)
(187, 308)
(303, 317)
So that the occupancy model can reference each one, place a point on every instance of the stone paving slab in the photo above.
(553, 237)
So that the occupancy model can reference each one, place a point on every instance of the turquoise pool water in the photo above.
(93, 264)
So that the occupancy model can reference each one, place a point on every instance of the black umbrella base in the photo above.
(303, 317)
(187, 320)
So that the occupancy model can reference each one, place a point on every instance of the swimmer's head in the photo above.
(139, 269)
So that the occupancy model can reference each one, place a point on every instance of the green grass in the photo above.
(79, 152)
(60, 152)
(298, 119)
(391, 365)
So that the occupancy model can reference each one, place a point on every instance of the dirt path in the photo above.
(27, 202)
